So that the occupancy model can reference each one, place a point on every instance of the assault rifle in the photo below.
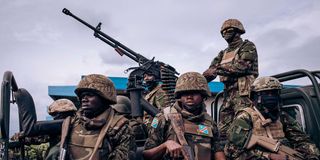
(145, 65)
(273, 146)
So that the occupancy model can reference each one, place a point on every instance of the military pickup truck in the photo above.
(302, 102)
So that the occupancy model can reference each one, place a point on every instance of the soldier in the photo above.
(156, 96)
(97, 131)
(61, 109)
(38, 147)
(185, 128)
(123, 107)
(237, 66)
(258, 131)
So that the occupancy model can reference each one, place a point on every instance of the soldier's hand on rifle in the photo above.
(274, 156)
(173, 148)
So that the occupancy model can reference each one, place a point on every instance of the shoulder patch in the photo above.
(155, 122)
(202, 129)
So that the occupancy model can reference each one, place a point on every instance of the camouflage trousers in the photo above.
(232, 103)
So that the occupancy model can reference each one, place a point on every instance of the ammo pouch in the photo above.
(244, 84)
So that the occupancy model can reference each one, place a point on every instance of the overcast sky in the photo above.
(42, 46)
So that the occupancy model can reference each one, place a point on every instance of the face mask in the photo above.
(149, 84)
(229, 35)
(269, 106)
(271, 102)
(192, 109)
(273, 115)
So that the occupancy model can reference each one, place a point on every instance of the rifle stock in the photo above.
(273, 146)
(187, 152)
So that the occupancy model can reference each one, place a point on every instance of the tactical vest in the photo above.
(151, 98)
(198, 136)
(82, 142)
(276, 128)
(154, 96)
(244, 82)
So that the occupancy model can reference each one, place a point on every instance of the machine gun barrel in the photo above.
(119, 47)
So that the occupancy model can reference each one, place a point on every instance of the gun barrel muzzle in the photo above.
(66, 11)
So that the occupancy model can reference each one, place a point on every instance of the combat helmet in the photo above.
(61, 105)
(123, 105)
(233, 23)
(192, 81)
(100, 84)
(265, 83)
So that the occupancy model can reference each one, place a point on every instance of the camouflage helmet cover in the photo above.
(233, 23)
(61, 105)
(265, 83)
(123, 105)
(100, 84)
(192, 81)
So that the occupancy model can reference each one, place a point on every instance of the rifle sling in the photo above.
(178, 127)
(64, 131)
(265, 121)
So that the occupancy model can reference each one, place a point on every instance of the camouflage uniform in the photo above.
(113, 129)
(237, 66)
(158, 98)
(204, 143)
(123, 106)
(285, 129)
(242, 126)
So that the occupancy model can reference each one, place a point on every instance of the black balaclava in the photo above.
(232, 36)
(268, 104)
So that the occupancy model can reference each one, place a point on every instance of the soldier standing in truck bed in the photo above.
(237, 66)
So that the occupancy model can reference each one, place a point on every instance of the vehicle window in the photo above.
(296, 111)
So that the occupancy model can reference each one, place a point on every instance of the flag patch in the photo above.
(203, 129)
(154, 123)
(146, 121)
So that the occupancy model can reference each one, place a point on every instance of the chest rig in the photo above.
(197, 136)
(92, 144)
(272, 130)
(242, 83)
(82, 143)
(228, 57)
